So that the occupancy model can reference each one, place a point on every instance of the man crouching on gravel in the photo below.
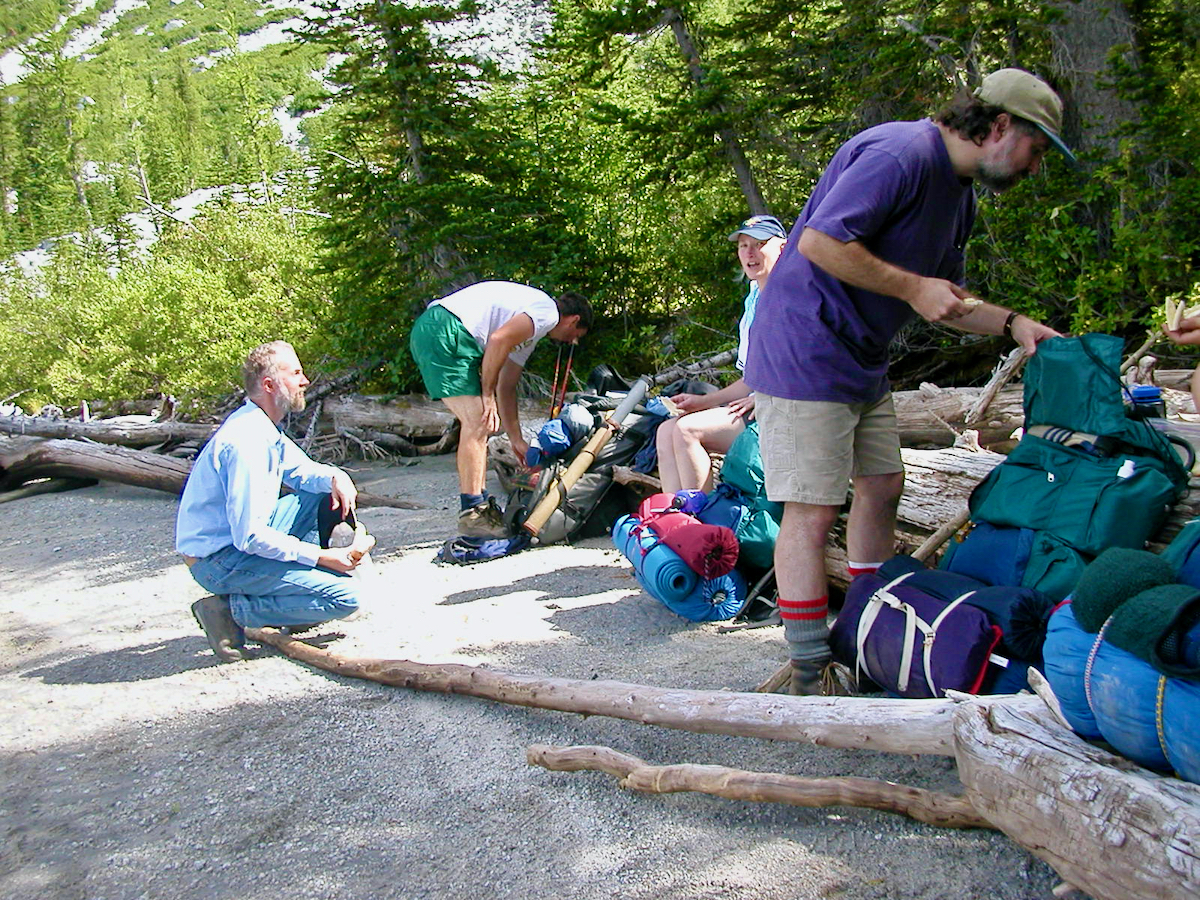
(268, 558)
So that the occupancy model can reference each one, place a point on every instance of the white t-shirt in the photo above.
(485, 306)
(749, 307)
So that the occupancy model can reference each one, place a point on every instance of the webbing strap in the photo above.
(881, 598)
(931, 636)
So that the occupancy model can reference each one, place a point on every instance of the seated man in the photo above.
(471, 347)
(258, 551)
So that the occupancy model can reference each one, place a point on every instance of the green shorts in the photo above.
(446, 353)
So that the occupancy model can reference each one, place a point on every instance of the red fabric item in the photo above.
(709, 550)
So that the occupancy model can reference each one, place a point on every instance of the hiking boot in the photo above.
(225, 636)
(483, 521)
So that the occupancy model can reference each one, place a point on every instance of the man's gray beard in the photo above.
(290, 403)
(994, 180)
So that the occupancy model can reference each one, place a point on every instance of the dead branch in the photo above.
(931, 807)
(128, 434)
(1003, 374)
(869, 723)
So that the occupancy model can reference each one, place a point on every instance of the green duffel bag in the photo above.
(1089, 502)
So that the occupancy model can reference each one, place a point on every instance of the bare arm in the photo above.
(934, 299)
(495, 354)
(696, 402)
(506, 403)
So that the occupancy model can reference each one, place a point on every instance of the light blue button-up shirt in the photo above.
(234, 486)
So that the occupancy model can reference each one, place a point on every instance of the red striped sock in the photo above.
(861, 568)
(804, 610)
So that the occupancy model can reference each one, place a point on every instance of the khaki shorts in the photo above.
(811, 448)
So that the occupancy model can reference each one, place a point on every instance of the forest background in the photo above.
(359, 159)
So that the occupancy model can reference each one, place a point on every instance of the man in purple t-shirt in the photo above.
(880, 240)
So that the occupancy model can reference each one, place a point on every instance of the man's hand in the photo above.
(1029, 333)
(689, 403)
(343, 493)
(346, 559)
(1188, 331)
(491, 417)
(520, 447)
(339, 559)
(939, 300)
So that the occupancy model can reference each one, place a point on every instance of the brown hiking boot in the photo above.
(483, 521)
(812, 679)
(225, 636)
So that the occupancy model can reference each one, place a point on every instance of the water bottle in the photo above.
(1146, 402)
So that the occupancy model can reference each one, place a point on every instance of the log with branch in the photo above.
(1105, 825)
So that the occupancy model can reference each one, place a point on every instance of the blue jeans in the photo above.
(268, 592)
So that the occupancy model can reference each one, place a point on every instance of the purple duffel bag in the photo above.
(910, 643)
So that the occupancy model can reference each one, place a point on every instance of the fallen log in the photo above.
(412, 417)
(46, 486)
(931, 807)
(1107, 826)
(864, 723)
(25, 459)
(105, 431)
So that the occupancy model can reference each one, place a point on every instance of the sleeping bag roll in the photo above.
(1066, 653)
(661, 572)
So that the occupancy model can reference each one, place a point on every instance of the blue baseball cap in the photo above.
(761, 228)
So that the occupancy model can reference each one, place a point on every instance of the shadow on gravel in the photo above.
(569, 579)
(142, 663)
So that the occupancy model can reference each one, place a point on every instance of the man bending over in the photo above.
(267, 558)
(471, 347)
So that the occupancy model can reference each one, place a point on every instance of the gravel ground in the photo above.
(135, 766)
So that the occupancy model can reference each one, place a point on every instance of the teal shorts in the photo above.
(446, 353)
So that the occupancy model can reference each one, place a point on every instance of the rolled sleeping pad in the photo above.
(668, 579)
(714, 599)
(665, 576)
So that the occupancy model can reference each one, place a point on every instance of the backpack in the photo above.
(1084, 476)
(740, 501)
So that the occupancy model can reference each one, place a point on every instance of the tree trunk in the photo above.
(729, 140)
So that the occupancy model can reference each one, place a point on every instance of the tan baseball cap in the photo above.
(1025, 95)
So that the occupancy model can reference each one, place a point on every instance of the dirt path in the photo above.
(135, 766)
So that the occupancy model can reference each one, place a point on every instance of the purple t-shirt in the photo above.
(893, 189)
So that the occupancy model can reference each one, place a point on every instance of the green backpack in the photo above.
(1114, 489)
(758, 527)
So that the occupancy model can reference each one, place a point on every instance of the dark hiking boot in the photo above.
(225, 636)
(483, 521)
(815, 679)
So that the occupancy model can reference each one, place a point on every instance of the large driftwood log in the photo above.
(413, 417)
(1106, 826)
(931, 807)
(24, 459)
(934, 417)
(891, 726)
(106, 431)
